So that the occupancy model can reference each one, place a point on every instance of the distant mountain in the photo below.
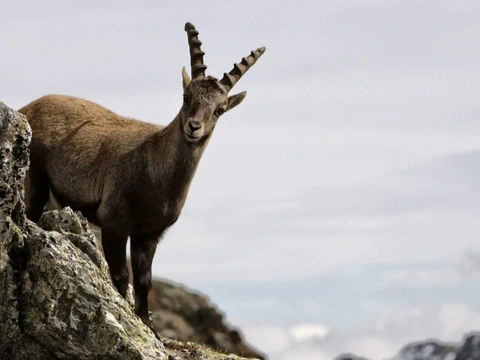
(468, 349)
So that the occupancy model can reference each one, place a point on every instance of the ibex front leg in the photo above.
(142, 251)
(114, 243)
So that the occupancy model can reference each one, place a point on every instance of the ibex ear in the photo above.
(185, 78)
(234, 100)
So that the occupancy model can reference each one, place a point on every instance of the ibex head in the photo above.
(205, 98)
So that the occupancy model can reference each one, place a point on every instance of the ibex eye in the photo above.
(219, 112)
(185, 98)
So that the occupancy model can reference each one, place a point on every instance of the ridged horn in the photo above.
(196, 54)
(229, 80)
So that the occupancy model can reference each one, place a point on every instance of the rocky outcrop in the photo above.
(185, 315)
(56, 297)
(430, 350)
(469, 349)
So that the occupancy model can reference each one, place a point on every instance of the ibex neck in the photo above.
(174, 160)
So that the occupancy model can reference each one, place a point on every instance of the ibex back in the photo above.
(128, 177)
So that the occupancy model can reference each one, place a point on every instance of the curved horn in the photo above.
(229, 80)
(196, 54)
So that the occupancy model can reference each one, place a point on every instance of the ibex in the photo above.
(129, 177)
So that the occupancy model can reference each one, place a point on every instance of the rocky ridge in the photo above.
(468, 349)
(188, 316)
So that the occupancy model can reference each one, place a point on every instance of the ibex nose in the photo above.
(194, 126)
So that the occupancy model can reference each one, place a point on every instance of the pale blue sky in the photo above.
(343, 192)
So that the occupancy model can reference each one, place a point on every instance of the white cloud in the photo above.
(302, 332)
(270, 338)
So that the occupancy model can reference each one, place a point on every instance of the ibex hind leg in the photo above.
(36, 193)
